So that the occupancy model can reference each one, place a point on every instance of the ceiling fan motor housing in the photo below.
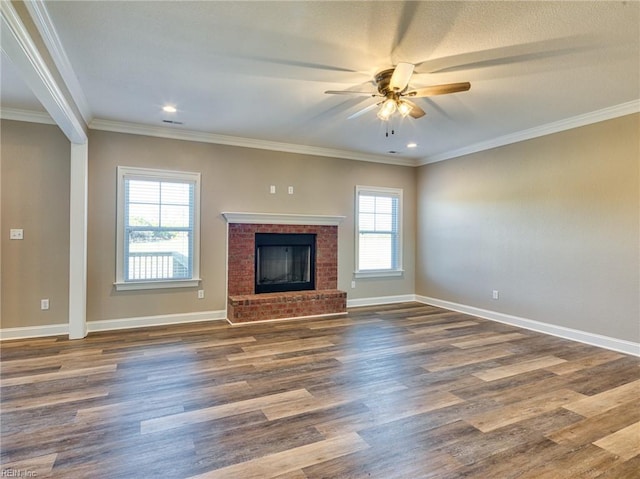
(383, 78)
(393, 86)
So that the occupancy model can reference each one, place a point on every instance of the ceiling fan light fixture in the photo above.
(383, 115)
(387, 109)
(393, 88)
(404, 108)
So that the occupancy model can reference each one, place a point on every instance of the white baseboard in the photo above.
(112, 324)
(34, 331)
(160, 320)
(404, 298)
(607, 342)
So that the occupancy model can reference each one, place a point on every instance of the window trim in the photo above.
(378, 191)
(155, 174)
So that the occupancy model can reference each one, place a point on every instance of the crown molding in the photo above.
(204, 137)
(282, 219)
(42, 20)
(26, 115)
(616, 111)
(597, 116)
(20, 48)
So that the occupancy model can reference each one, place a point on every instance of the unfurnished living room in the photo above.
(320, 239)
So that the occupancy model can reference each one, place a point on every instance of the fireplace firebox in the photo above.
(284, 262)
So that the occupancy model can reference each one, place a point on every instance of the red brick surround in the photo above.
(244, 305)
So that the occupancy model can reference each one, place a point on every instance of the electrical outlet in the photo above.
(16, 234)
(44, 304)
(496, 294)
(353, 284)
(290, 190)
(272, 189)
(201, 294)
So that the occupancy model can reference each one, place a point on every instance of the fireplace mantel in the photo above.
(281, 219)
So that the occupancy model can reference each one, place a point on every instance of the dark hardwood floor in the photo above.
(396, 391)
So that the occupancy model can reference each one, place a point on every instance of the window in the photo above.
(378, 223)
(158, 229)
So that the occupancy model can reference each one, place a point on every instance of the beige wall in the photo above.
(233, 179)
(552, 223)
(35, 197)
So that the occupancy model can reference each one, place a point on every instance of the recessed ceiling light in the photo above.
(169, 109)
(412, 145)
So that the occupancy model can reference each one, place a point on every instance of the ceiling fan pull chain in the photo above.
(386, 126)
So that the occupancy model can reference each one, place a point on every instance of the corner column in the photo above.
(78, 205)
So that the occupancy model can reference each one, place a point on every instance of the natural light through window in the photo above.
(378, 212)
(157, 228)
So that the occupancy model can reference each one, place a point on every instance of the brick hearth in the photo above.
(245, 306)
(296, 304)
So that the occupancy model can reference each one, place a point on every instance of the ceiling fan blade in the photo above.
(439, 89)
(348, 92)
(409, 11)
(401, 76)
(363, 111)
(507, 55)
(416, 111)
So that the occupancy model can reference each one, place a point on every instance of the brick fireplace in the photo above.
(245, 305)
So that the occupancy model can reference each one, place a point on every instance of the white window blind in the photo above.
(157, 228)
(378, 212)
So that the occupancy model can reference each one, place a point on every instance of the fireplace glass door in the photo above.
(284, 262)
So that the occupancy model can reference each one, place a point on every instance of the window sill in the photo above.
(379, 273)
(139, 285)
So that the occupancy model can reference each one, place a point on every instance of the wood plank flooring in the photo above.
(395, 391)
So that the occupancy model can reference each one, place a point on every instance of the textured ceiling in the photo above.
(15, 92)
(259, 70)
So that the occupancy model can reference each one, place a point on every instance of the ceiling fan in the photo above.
(393, 84)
